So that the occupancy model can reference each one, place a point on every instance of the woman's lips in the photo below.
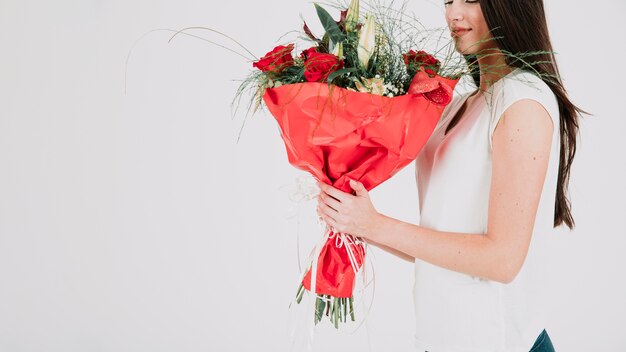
(460, 32)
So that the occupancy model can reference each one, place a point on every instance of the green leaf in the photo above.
(330, 26)
(336, 316)
(338, 73)
(319, 309)
(293, 70)
(300, 293)
(351, 309)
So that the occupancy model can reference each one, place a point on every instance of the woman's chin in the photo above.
(463, 50)
(466, 49)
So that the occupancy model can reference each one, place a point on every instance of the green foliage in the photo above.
(330, 26)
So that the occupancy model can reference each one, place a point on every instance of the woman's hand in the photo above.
(353, 214)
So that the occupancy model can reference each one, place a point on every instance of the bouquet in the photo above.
(359, 102)
(353, 105)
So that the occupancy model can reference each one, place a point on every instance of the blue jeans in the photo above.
(543, 343)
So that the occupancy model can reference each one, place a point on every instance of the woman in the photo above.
(493, 173)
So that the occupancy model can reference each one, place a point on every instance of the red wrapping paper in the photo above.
(335, 275)
(337, 134)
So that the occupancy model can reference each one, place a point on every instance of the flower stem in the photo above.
(351, 309)
(300, 293)
(336, 312)
(319, 308)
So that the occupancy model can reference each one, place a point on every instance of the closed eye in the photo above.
(468, 1)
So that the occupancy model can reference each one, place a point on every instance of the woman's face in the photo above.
(467, 26)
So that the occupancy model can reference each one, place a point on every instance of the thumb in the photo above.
(358, 188)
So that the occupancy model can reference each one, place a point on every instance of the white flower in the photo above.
(352, 17)
(367, 41)
(338, 50)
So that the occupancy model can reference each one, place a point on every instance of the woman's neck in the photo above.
(493, 66)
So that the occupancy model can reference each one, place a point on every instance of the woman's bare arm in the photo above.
(390, 250)
(521, 150)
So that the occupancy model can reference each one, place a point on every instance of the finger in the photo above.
(330, 201)
(319, 214)
(358, 188)
(328, 210)
(334, 192)
(331, 222)
(329, 219)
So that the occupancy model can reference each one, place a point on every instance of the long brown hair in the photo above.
(519, 26)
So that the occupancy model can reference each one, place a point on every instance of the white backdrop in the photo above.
(136, 223)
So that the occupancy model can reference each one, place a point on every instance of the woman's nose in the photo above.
(454, 12)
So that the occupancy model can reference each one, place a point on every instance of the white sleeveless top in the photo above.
(456, 312)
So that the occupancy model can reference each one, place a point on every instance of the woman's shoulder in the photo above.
(522, 84)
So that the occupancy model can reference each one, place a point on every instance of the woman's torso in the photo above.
(456, 312)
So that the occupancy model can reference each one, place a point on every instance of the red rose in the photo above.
(276, 60)
(319, 66)
(422, 59)
(306, 53)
